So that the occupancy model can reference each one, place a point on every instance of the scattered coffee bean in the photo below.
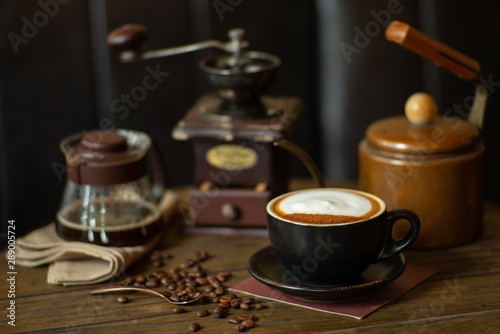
(140, 279)
(178, 310)
(241, 328)
(259, 306)
(221, 278)
(234, 320)
(158, 263)
(129, 280)
(248, 323)
(219, 291)
(244, 306)
(249, 300)
(156, 255)
(203, 313)
(220, 312)
(246, 316)
(194, 327)
(225, 299)
(153, 283)
(225, 304)
(123, 299)
(175, 298)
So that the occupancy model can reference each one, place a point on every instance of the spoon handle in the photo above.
(127, 289)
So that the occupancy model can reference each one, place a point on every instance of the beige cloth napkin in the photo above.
(79, 263)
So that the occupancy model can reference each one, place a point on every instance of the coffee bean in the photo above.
(220, 312)
(178, 310)
(234, 320)
(259, 306)
(241, 328)
(219, 290)
(226, 274)
(175, 298)
(194, 327)
(160, 274)
(172, 286)
(153, 283)
(246, 316)
(225, 304)
(203, 313)
(221, 278)
(209, 289)
(192, 283)
(140, 279)
(214, 281)
(201, 273)
(249, 300)
(158, 263)
(216, 300)
(156, 255)
(165, 280)
(225, 299)
(174, 271)
(123, 299)
(201, 280)
(197, 267)
(235, 303)
(248, 323)
(129, 280)
(244, 306)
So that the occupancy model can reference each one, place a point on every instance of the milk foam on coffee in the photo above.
(326, 206)
(327, 203)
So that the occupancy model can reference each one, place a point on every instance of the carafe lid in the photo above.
(421, 132)
(106, 157)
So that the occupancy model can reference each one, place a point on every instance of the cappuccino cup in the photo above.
(329, 236)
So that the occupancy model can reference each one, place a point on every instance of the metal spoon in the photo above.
(163, 295)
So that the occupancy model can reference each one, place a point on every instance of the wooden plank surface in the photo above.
(464, 296)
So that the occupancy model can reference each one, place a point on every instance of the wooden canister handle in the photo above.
(437, 52)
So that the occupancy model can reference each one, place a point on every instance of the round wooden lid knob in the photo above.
(420, 109)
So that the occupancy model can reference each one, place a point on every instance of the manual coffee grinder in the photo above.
(238, 132)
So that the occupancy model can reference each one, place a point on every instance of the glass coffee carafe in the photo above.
(108, 198)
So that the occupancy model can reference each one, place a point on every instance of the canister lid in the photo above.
(421, 132)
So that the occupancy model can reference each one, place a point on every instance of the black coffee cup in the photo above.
(317, 249)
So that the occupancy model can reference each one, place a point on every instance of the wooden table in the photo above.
(463, 297)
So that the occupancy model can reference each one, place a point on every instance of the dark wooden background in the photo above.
(63, 79)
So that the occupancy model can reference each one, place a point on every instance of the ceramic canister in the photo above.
(432, 165)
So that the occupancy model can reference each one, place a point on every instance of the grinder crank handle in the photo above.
(435, 51)
(442, 55)
(129, 39)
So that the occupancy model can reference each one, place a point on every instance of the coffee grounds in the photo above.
(320, 219)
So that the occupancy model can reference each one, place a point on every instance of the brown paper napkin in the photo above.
(356, 307)
(79, 263)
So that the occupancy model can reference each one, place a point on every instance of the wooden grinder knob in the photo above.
(128, 39)
(420, 109)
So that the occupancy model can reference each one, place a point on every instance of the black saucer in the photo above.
(267, 269)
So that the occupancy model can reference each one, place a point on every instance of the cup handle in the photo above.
(393, 247)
